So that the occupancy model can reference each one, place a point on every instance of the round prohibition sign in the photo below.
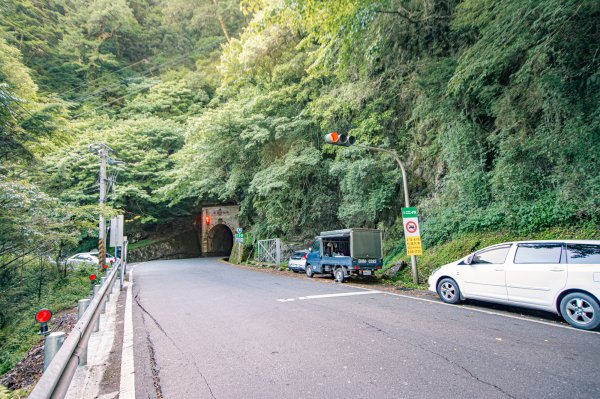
(411, 227)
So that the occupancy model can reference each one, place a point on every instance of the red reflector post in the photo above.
(43, 316)
(92, 277)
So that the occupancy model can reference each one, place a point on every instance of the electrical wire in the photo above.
(170, 63)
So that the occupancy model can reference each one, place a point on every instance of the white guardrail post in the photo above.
(56, 379)
(52, 345)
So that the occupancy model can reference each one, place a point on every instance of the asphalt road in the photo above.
(206, 329)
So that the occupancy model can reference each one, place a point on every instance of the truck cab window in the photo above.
(317, 246)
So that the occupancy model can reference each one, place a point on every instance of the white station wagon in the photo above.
(557, 276)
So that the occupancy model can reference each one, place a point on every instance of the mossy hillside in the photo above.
(462, 245)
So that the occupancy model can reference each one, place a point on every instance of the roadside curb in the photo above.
(326, 280)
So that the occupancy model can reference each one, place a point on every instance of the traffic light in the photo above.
(334, 138)
(207, 219)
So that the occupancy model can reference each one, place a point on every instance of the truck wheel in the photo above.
(309, 271)
(339, 275)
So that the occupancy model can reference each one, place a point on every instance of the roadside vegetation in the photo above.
(36, 286)
(494, 107)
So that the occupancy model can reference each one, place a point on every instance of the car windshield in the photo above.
(298, 255)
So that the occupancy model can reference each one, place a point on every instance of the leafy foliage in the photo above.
(493, 107)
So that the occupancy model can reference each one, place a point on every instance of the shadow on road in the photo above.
(517, 310)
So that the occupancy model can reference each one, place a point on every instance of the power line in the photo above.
(141, 74)
(170, 63)
(20, 29)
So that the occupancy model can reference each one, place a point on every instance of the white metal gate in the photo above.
(269, 251)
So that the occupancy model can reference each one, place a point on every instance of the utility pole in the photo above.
(102, 150)
(102, 222)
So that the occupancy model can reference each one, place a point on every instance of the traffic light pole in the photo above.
(413, 258)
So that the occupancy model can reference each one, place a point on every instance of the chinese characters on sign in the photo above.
(410, 220)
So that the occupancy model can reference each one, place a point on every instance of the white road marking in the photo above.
(474, 309)
(127, 385)
(303, 298)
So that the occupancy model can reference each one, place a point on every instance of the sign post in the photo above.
(412, 234)
(239, 238)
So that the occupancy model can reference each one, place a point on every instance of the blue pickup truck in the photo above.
(344, 253)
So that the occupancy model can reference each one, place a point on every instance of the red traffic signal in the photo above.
(92, 277)
(334, 138)
(43, 316)
(207, 219)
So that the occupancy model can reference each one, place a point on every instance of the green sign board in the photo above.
(241, 235)
(410, 212)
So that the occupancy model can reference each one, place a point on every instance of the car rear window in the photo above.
(298, 255)
(583, 254)
(538, 253)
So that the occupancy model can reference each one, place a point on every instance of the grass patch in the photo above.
(141, 243)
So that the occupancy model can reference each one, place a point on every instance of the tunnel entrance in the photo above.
(220, 241)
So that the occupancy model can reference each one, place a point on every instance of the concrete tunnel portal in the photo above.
(218, 226)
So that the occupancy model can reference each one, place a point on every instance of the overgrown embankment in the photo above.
(23, 296)
(466, 243)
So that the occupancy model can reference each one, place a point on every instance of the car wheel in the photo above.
(580, 310)
(448, 290)
(309, 271)
(338, 274)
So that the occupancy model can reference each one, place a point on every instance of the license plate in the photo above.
(366, 272)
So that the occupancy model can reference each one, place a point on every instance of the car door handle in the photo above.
(557, 269)
(499, 270)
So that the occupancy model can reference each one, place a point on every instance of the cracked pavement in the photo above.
(205, 329)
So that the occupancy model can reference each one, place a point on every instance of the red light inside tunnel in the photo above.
(43, 316)
(207, 219)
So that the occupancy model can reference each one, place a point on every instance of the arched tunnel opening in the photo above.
(220, 240)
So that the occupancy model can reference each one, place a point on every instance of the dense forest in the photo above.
(494, 106)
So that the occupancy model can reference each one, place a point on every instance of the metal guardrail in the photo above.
(55, 381)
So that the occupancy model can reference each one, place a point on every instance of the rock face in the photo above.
(183, 245)
(393, 271)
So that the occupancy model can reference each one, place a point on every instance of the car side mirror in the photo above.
(469, 259)
(310, 249)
